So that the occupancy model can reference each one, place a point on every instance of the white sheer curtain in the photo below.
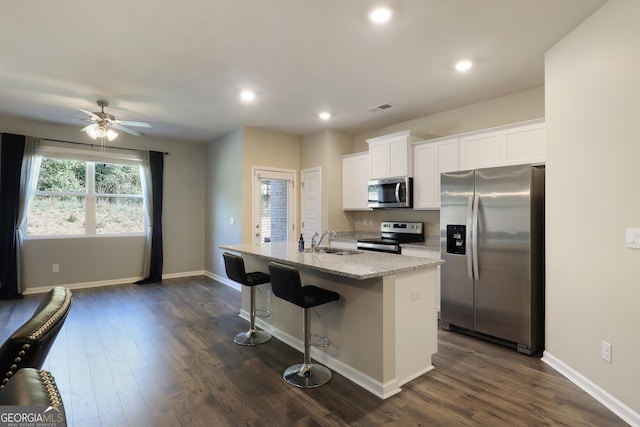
(28, 178)
(145, 179)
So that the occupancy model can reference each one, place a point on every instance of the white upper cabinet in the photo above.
(520, 143)
(481, 151)
(391, 155)
(355, 178)
(524, 144)
(431, 159)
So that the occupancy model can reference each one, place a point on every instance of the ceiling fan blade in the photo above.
(128, 123)
(125, 129)
(93, 116)
(91, 126)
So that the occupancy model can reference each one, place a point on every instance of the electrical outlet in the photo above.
(55, 268)
(415, 295)
(605, 351)
(269, 296)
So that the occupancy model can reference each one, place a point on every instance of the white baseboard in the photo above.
(112, 282)
(610, 402)
(224, 280)
(184, 274)
(82, 285)
(381, 390)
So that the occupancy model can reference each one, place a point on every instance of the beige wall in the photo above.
(87, 260)
(325, 150)
(266, 148)
(516, 107)
(592, 111)
(223, 197)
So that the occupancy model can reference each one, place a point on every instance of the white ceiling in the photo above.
(180, 65)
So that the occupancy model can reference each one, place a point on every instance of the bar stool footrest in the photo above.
(318, 340)
(262, 313)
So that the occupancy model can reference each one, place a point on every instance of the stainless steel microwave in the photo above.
(391, 193)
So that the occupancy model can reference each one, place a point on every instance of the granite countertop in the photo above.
(431, 243)
(363, 265)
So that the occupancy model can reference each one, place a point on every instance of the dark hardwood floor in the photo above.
(163, 355)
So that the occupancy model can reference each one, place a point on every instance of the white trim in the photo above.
(627, 414)
(270, 172)
(322, 214)
(375, 387)
(289, 175)
(224, 280)
(112, 282)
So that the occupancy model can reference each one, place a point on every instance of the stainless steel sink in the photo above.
(332, 251)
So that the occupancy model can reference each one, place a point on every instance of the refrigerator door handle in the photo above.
(474, 237)
(468, 237)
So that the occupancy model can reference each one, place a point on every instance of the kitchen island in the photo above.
(383, 330)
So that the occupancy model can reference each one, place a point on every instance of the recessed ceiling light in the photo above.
(464, 65)
(247, 95)
(324, 115)
(380, 15)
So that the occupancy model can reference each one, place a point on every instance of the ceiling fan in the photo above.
(103, 124)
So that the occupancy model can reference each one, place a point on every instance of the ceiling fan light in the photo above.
(111, 134)
(101, 131)
(92, 132)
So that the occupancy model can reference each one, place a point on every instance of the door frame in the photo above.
(258, 172)
(303, 202)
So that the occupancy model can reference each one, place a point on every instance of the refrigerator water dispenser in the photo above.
(456, 239)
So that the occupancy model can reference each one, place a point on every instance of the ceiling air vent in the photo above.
(380, 107)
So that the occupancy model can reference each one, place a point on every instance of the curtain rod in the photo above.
(166, 153)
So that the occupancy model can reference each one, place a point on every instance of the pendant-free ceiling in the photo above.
(103, 124)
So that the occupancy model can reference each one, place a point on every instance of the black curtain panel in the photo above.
(156, 161)
(10, 168)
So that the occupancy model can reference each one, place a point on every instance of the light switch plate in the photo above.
(633, 238)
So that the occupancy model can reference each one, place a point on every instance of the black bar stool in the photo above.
(285, 283)
(234, 265)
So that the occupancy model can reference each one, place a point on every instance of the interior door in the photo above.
(273, 205)
(311, 202)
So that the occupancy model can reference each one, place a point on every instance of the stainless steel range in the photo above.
(392, 235)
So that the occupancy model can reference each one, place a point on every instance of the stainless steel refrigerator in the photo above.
(492, 241)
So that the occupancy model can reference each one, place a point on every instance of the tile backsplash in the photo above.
(370, 220)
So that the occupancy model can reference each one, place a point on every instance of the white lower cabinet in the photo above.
(355, 178)
(427, 253)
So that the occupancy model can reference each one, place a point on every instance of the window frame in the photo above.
(90, 157)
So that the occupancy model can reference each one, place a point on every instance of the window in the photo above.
(76, 196)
